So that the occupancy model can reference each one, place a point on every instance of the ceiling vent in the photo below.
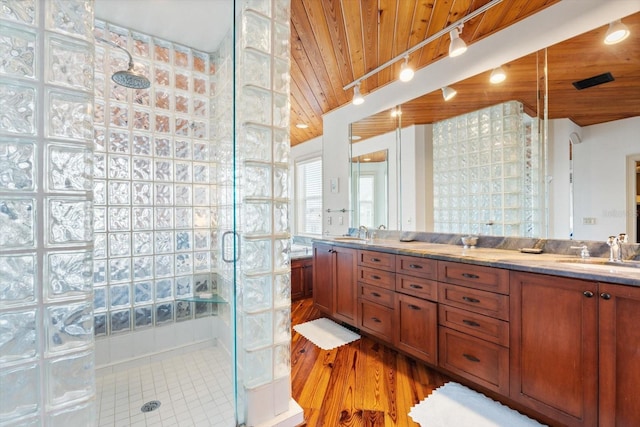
(593, 81)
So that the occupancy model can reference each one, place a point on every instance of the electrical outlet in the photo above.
(588, 221)
(340, 220)
(329, 221)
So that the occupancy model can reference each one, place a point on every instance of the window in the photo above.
(309, 196)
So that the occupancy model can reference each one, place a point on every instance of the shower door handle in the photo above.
(236, 238)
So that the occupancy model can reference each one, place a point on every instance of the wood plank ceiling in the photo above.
(334, 42)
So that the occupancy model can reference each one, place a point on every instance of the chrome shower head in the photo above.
(127, 78)
(131, 79)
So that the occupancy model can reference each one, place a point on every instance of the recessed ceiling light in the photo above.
(356, 137)
(616, 32)
(366, 159)
(302, 125)
(497, 75)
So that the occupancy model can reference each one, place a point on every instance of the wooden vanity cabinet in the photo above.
(619, 361)
(554, 347)
(474, 323)
(416, 308)
(335, 281)
(376, 281)
(301, 278)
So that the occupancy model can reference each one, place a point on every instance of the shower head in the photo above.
(127, 78)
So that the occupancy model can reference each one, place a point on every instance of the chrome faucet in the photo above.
(364, 229)
(382, 227)
(584, 251)
(614, 249)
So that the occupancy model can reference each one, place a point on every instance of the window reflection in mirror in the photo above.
(369, 183)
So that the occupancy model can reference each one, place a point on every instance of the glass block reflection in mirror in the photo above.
(482, 161)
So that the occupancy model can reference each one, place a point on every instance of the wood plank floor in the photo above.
(364, 383)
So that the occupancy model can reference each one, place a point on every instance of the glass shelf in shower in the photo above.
(213, 299)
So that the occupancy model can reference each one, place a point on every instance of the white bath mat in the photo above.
(454, 405)
(325, 333)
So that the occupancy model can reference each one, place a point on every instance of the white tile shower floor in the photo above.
(194, 389)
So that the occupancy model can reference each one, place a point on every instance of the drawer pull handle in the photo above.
(470, 357)
(414, 286)
(413, 307)
(605, 295)
(415, 266)
(375, 319)
(588, 294)
(375, 294)
(376, 277)
(473, 300)
(470, 276)
(375, 259)
(471, 323)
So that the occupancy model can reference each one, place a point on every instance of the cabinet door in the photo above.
(323, 277)
(297, 280)
(619, 355)
(554, 347)
(345, 300)
(417, 327)
(307, 278)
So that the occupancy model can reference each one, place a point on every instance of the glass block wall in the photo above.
(152, 188)
(46, 144)
(487, 173)
(258, 204)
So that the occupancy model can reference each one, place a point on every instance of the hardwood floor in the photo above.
(364, 383)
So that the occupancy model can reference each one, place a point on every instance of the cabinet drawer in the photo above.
(417, 286)
(474, 276)
(414, 266)
(480, 361)
(375, 294)
(485, 327)
(376, 319)
(372, 276)
(487, 303)
(379, 260)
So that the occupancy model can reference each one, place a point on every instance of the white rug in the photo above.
(325, 333)
(454, 405)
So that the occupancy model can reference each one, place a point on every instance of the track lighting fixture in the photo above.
(406, 72)
(616, 33)
(497, 75)
(448, 93)
(457, 46)
(397, 111)
(357, 96)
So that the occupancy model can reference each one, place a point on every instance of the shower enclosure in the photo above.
(135, 221)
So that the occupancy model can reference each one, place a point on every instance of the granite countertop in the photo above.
(300, 252)
(594, 268)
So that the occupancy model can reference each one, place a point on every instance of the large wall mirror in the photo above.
(588, 135)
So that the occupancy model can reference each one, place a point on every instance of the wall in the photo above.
(46, 324)
(556, 23)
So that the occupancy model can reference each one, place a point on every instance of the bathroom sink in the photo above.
(601, 261)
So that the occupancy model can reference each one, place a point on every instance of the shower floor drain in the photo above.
(150, 406)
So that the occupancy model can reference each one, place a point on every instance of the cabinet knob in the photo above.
(605, 295)
(587, 294)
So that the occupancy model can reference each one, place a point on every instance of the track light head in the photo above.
(616, 32)
(448, 93)
(357, 96)
(406, 72)
(457, 46)
(497, 75)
